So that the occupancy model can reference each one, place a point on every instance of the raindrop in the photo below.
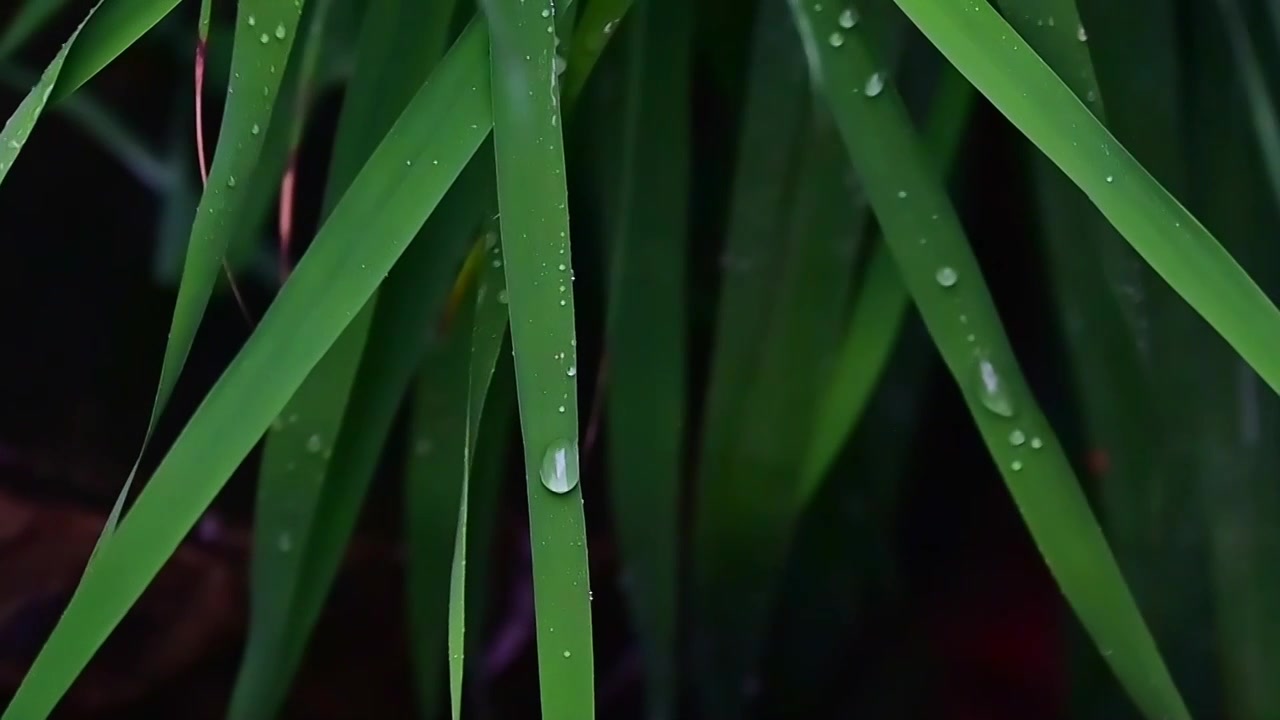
(265, 38)
(252, 21)
(560, 467)
(902, 194)
(573, 370)
(284, 542)
(1081, 35)
(502, 297)
(946, 276)
(255, 129)
(1017, 437)
(848, 18)
(836, 39)
(281, 32)
(231, 181)
(1111, 178)
(314, 444)
(568, 654)
(1036, 443)
(992, 391)
(1016, 465)
(875, 84)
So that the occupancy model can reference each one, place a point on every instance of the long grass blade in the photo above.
(296, 463)
(487, 340)
(532, 198)
(880, 306)
(23, 120)
(943, 277)
(646, 333)
(996, 60)
(369, 229)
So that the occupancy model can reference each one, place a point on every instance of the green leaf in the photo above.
(646, 332)
(996, 60)
(532, 198)
(943, 277)
(487, 340)
(296, 474)
(367, 232)
(23, 120)
(880, 306)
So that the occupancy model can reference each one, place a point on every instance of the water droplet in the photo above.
(256, 129)
(546, 13)
(281, 32)
(568, 654)
(1081, 35)
(609, 26)
(14, 144)
(1111, 178)
(497, 263)
(875, 84)
(836, 39)
(252, 21)
(946, 276)
(902, 194)
(573, 370)
(1036, 443)
(992, 391)
(423, 447)
(562, 267)
(231, 181)
(502, 297)
(314, 444)
(560, 467)
(264, 39)
(1017, 437)
(848, 18)
(1016, 466)
(284, 542)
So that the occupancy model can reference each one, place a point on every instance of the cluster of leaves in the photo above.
(446, 222)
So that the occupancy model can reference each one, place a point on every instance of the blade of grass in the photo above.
(996, 60)
(646, 333)
(769, 144)
(789, 277)
(487, 339)
(365, 235)
(263, 38)
(1249, 73)
(23, 120)
(394, 59)
(880, 306)
(598, 23)
(532, 198)
(946, 283)
(1104, 296)
(1233, 415)
(435, 483)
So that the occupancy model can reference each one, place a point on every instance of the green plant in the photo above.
(447, 215)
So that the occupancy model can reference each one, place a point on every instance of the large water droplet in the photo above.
(836, 39)
(264, 39)
(1081, 34)
(875, 84)
(1036, 443)
(252, 21)
(1017, 437)
(314, 444)
(281, 32)
(560, 467)
(991, 389)
(848, 18)
(946, 276)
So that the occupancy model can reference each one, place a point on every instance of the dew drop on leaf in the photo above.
(559, 471)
